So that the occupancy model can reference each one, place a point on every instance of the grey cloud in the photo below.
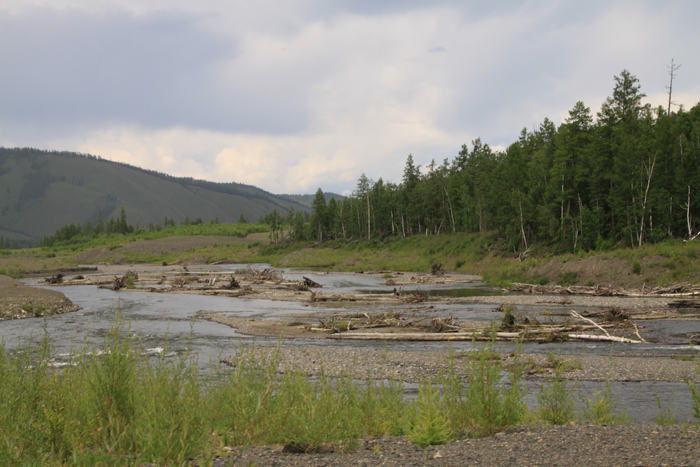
(63, 68)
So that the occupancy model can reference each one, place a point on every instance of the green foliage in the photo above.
(116, 240)
(695, 393)
(113, 405)
(602, 409)
(636, 267)
(666, 416)
(487, 403)
(565, 187)
(566, 278)
(430, 424)
(556, 405)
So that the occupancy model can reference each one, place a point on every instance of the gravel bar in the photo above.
(412, 367)
(569, 445)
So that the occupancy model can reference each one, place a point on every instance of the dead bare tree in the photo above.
(672, 72)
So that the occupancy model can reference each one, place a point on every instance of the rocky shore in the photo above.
(18, 300)
(413, 367)
(569, 445)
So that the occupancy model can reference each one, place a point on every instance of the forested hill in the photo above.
(41, 191)
(628, 176)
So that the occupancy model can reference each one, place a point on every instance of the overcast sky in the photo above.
(292, 95)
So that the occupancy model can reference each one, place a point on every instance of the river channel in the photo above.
(166, 321)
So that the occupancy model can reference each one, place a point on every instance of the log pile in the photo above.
(601, 290)
(55, 280)
(514, 326)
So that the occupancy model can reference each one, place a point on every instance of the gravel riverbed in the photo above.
(569, 445)
(413, 367)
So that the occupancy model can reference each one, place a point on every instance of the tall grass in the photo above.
(113, 405)
(695, 392)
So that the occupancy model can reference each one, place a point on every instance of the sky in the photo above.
(295, 95)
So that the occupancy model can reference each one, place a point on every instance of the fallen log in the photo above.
(425, 336)
(576, 315)
(685, 304)
(591, 337)
(309, 283)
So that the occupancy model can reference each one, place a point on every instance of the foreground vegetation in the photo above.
(115, 406)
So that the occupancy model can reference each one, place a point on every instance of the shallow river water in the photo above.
(167, 320)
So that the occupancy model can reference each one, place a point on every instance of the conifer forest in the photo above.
(628, 175)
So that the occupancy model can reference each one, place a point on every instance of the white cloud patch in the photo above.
(291, 96)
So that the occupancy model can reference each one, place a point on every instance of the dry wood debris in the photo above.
(601, 290)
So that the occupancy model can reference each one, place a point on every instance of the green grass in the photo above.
(114, 406)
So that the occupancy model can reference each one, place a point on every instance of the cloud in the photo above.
(292, 96)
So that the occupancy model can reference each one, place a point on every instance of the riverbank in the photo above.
(569, 445)
(18, 301)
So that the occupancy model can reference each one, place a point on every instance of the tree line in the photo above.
(629, 176)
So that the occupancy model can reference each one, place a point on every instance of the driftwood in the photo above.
(674, 290)
(309, 283)
(57, 279)
(425, 336)
(523, 254)
(685, 304)
(576, 315)
(591, 337)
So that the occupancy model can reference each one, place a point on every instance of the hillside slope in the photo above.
(41, 191)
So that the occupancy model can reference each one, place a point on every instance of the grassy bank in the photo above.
(660, 264)
(116, 406)
(650, 265)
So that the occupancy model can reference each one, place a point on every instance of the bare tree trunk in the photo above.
(369, 227)
(449, 205)
(650, 171)
(671, 71)
(522, 224)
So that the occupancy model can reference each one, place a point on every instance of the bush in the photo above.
(556, 405)
(695, 392)
(636, 267)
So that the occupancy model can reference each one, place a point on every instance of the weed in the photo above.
(488, 404)
(665, 416)
(636, 267)
(602, 408)
(566, 278)
(695, 392)
(297, 323)
(430, 425)
(541, 281)
(556, 405)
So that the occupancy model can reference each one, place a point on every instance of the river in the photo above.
(166, 321)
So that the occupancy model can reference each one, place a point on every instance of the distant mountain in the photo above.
(41, 191)
(307, 200)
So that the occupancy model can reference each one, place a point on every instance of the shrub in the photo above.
(695, 392)
(636, 267)
(566, 278)
(556, 406)
(487, 404)
(602, 408)
(430, 425)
